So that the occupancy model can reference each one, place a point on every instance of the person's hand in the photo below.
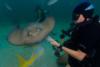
(54, 43)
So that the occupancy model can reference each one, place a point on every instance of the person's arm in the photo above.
(77, 54)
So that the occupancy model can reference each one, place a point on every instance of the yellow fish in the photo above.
(27, 63)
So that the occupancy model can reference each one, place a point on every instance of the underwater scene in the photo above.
(28, 26)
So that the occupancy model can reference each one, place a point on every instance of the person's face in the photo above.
(80, 19)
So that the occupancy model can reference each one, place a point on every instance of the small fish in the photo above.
(51, 2)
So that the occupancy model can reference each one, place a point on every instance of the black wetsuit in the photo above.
(85, 37)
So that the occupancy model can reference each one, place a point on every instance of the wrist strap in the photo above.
(60, 47)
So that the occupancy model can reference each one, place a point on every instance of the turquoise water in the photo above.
(21, 12)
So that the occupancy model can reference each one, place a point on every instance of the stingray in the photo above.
(33, 33)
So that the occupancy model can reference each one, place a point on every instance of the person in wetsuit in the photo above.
(83, 46)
